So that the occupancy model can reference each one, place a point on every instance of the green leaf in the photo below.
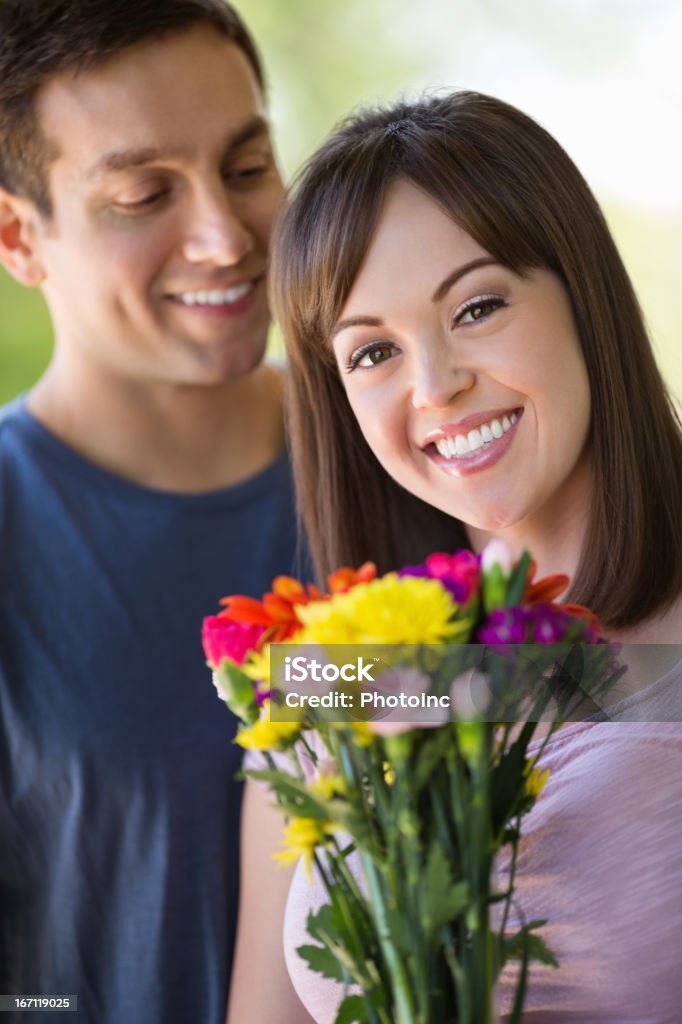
(441, 899)
(295, 799)
(507, 786)
(321, 922)
(517, 583)
(323, 962)
(430, 756)
(540, 951)
(238, 690)
(399, 930)
(329, 926)
(353, 1010)
(494, 588)
(526, 944)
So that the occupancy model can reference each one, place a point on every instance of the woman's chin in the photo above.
(493, 520)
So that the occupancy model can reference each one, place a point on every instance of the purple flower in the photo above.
(415, 570)
(504, 626)
(548, 624)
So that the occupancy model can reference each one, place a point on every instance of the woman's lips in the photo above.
(483, 458)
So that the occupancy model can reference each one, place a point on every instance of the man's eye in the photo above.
(477, 309)
(250, 172)
(370, 355)
(143, 202)
(246, 175)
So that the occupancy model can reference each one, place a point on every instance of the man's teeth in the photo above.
(461, 444)
(222, 297)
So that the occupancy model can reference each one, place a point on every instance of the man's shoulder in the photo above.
(13, 421)
(11, 412)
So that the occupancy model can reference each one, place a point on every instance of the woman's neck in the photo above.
(555, 543)
(555, 533)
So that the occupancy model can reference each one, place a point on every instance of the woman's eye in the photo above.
(370, 355)
(477, 309)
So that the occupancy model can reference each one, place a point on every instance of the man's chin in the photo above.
(221, 364)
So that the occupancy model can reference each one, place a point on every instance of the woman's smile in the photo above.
(472, 444)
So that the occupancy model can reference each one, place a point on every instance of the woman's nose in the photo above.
(439, 379)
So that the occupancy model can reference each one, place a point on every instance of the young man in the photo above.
(140, 480)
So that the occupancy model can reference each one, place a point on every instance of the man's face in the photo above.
(164, 191)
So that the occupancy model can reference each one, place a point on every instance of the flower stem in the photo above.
(396, 968)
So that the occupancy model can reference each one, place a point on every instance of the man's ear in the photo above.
(19, 250)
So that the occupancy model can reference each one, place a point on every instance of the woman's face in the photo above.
(467, 380)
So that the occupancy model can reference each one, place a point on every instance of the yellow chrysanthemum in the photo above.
(302, 836)
(390, 610)
(328, 784)
(267, 735)
(364, 737)
(257, 667)
(535, 779)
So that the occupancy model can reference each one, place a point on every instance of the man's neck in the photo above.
(181, 438)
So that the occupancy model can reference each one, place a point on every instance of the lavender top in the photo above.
(600, 859)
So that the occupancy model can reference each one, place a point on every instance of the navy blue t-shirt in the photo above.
(119, 811)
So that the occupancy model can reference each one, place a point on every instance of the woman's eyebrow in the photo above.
(356, 321)
(466, 268)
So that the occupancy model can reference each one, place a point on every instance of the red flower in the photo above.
(547, 589)
(276, 613)
(344, 578)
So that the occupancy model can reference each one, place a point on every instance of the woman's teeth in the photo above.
(468, 444)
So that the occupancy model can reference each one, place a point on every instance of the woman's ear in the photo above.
(19, 250)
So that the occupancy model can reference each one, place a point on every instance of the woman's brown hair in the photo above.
(510, 186)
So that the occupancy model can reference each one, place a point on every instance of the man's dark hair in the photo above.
(40, 39)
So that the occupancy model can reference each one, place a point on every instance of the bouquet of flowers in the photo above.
(403, 813)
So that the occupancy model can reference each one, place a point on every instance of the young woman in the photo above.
(468, 360)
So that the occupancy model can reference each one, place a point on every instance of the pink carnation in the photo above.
(223, 638)
(459, 572)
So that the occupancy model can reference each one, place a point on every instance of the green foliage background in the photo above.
(323, 59)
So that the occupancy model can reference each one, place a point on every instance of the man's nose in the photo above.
(216, 233)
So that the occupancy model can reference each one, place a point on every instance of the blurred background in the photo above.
(602, 75)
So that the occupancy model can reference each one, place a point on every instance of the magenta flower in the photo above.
(459, 573)
(223, 638)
